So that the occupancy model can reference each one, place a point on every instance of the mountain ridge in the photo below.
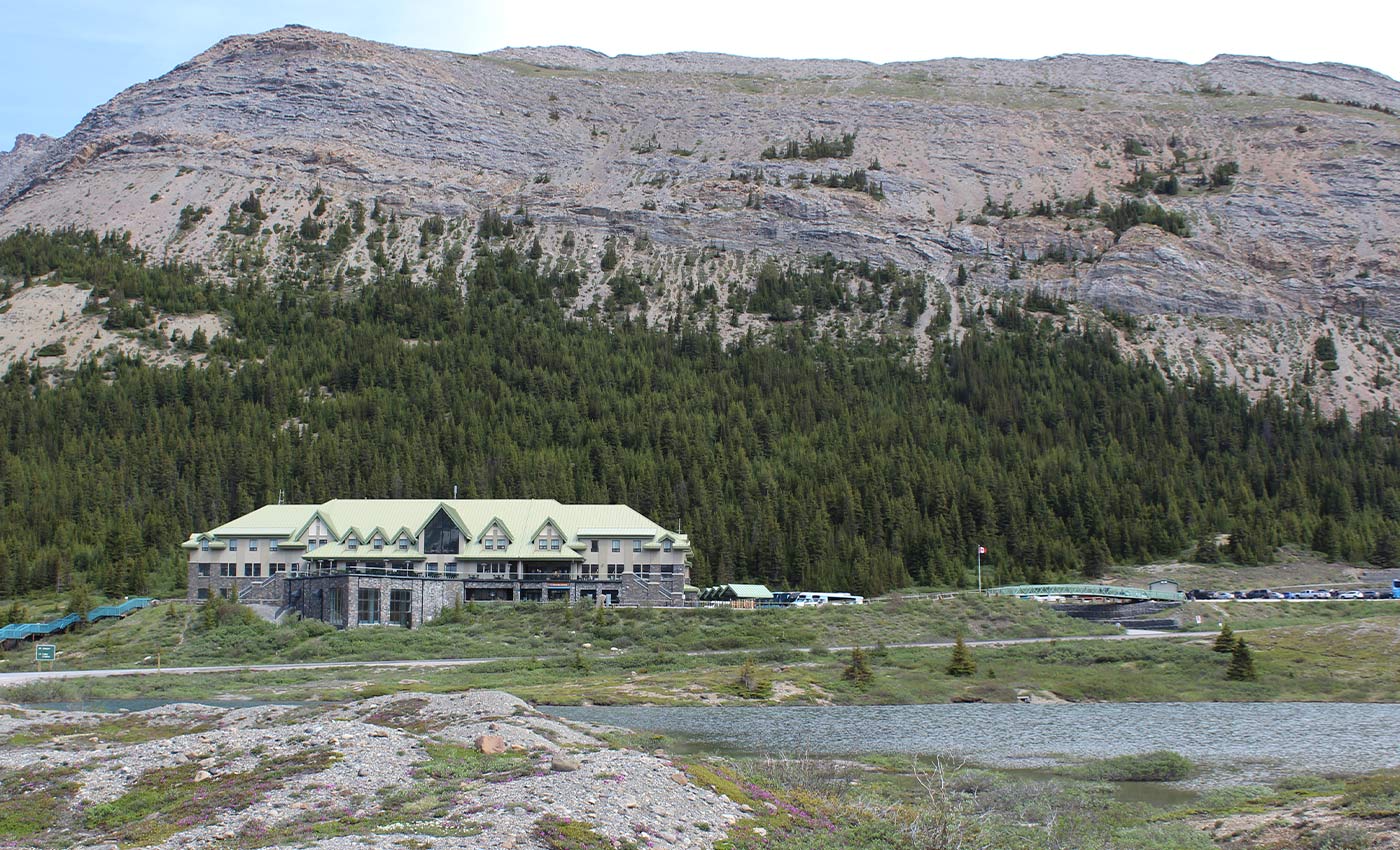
(670, 150)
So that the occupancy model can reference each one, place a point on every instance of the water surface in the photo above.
(1252, 741)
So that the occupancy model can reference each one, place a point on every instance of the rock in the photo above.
(562, 763)
(490, 745)
(203, 775)
(680, 779)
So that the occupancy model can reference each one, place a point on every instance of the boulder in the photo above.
(491, 745)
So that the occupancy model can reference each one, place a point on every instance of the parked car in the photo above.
(1350, 594)
(1371, 594)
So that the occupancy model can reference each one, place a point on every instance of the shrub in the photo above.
(858, 672)
(1156, 766)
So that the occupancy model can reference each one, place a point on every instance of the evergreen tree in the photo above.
(80, 599)
(1241, 667)
(1206, 551)
(961, 663)
(1225, 641)
(858, 671)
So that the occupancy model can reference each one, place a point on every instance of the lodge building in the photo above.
(354, 562)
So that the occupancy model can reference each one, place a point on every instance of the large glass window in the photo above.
(203, 570)
(401, 608)
(617, 545)
(369, 605)
(441, 536)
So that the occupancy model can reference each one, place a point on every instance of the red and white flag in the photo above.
(981, 550)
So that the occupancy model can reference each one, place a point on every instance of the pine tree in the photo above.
(1206, 551)
(961, 663)
(1225, 641)
(1241, 667)
(858, 671)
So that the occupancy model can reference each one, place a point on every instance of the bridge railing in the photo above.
(1107, 591)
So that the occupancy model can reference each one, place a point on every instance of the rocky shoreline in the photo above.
(480, 769)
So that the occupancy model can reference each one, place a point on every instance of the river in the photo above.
(1235, 741)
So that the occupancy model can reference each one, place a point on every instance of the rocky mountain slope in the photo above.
(1262, 197)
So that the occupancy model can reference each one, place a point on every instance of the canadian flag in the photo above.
(981, 550)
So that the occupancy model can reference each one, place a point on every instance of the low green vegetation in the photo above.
(1157, 766)
(226, 634)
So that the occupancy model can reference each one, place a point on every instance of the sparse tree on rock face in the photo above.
(1241, 667)
(962, 663)
(1225, 641)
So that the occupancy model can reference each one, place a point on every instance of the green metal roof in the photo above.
(389, 517)
(748, 591)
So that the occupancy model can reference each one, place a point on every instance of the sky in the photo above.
(61, 58)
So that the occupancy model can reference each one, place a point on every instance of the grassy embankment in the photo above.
(531, 629)
(1343, 660)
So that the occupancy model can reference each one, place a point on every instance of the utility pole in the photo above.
(980, 551)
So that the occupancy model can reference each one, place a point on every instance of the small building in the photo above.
(353, 562)
(737, 595)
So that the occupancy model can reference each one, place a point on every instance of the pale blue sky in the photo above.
(61, 58)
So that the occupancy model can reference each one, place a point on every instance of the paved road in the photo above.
(32, 676)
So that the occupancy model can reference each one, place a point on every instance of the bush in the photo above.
(1156, 766)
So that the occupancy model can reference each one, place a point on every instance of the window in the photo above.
(252, 570)
(401, 608)
(202, 593)
(636, 545)
(593, 545)
(272, 545)
(643, 570)
(614, 571)
(588, 571)
(617, 545)
(665, 546)
(668, 570)
(202, 570)
(378, 543)
(432, 568)
(403, 544)
(233, 545)
(450, 568)
(440, 536)
(544, 544)
(228, 571)
(352, 544)
(204, 545)
(252, 545)
(369, 605)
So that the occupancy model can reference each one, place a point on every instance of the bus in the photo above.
(1395, 588)
(828, 599)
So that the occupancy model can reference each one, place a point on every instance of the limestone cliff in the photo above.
(667, 152)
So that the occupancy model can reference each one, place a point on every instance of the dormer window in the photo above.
(403, 544)
(204, 545)
(665, 545)
(352, 544)
(378, 543)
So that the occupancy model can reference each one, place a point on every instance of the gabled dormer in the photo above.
(352, 541)
(495, 537)
(547, 538)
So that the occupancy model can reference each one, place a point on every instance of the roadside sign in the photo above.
(45, 652)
